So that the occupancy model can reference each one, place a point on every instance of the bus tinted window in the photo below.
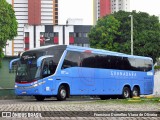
(72, 59)
(128, 64)
(102, 61)
(92, 60)
(148, 65)
(88, 60)
(143, 65)
(57, 54)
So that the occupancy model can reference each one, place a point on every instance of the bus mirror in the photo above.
(40, 59)
(11, 63)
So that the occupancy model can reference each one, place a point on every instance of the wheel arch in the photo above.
(127, 85)
(129, 91)
(66, 85)
(137, 86)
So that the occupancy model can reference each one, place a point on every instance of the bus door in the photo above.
(48, 68)
(70, 71)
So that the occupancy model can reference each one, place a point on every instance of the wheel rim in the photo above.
(126, 93)
(135, 92)
(63, 93)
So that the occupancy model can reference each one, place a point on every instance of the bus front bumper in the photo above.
(37, 88)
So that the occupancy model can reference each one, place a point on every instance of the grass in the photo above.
(137, 100)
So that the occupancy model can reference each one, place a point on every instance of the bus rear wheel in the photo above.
(62, 93)
(135, 92)
(39, 97)
(126, 93)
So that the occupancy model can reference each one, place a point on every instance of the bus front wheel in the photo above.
(62, 93)
(126, 93)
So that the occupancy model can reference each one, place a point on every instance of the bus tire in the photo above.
(62, 93)
(126, 93)
(135, 92)
(39, 97)
(102, 97)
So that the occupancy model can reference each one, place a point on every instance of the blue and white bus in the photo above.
(64, 70)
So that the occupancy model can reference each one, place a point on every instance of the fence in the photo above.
(157, 83)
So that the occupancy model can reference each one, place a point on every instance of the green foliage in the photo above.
(103, 34)
(146, 33)
(1, 56)
(141, 100)
(157, 67)
(8, 25)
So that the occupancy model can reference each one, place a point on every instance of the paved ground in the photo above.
(22, 108)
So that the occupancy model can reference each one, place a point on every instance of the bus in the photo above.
(62, 71)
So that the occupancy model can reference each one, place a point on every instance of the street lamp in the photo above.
(131, 34)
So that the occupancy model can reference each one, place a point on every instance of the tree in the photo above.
(146, 35)
(8, 25)
(103, 34)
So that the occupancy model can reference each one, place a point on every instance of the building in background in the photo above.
(106, 7)
(38, 25)
(117, 5)
(31, 13)
(42, 22)
(57, 35)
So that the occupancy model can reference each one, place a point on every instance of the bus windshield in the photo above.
(27, 67)
(28, 71)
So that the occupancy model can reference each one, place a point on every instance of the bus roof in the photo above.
(101, 51)
(48, 46)
(92, 50)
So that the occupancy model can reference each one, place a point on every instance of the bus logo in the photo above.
(123, 74)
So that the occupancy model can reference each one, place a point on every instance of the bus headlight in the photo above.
(35, 85)
(38, 84)
(15, 86)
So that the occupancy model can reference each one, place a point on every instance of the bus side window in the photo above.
(148, 65)
(52, 67)
(71, 60)
(46, 71)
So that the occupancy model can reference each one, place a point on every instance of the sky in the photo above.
(83, 9)
(150, 6)
(75, 9)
